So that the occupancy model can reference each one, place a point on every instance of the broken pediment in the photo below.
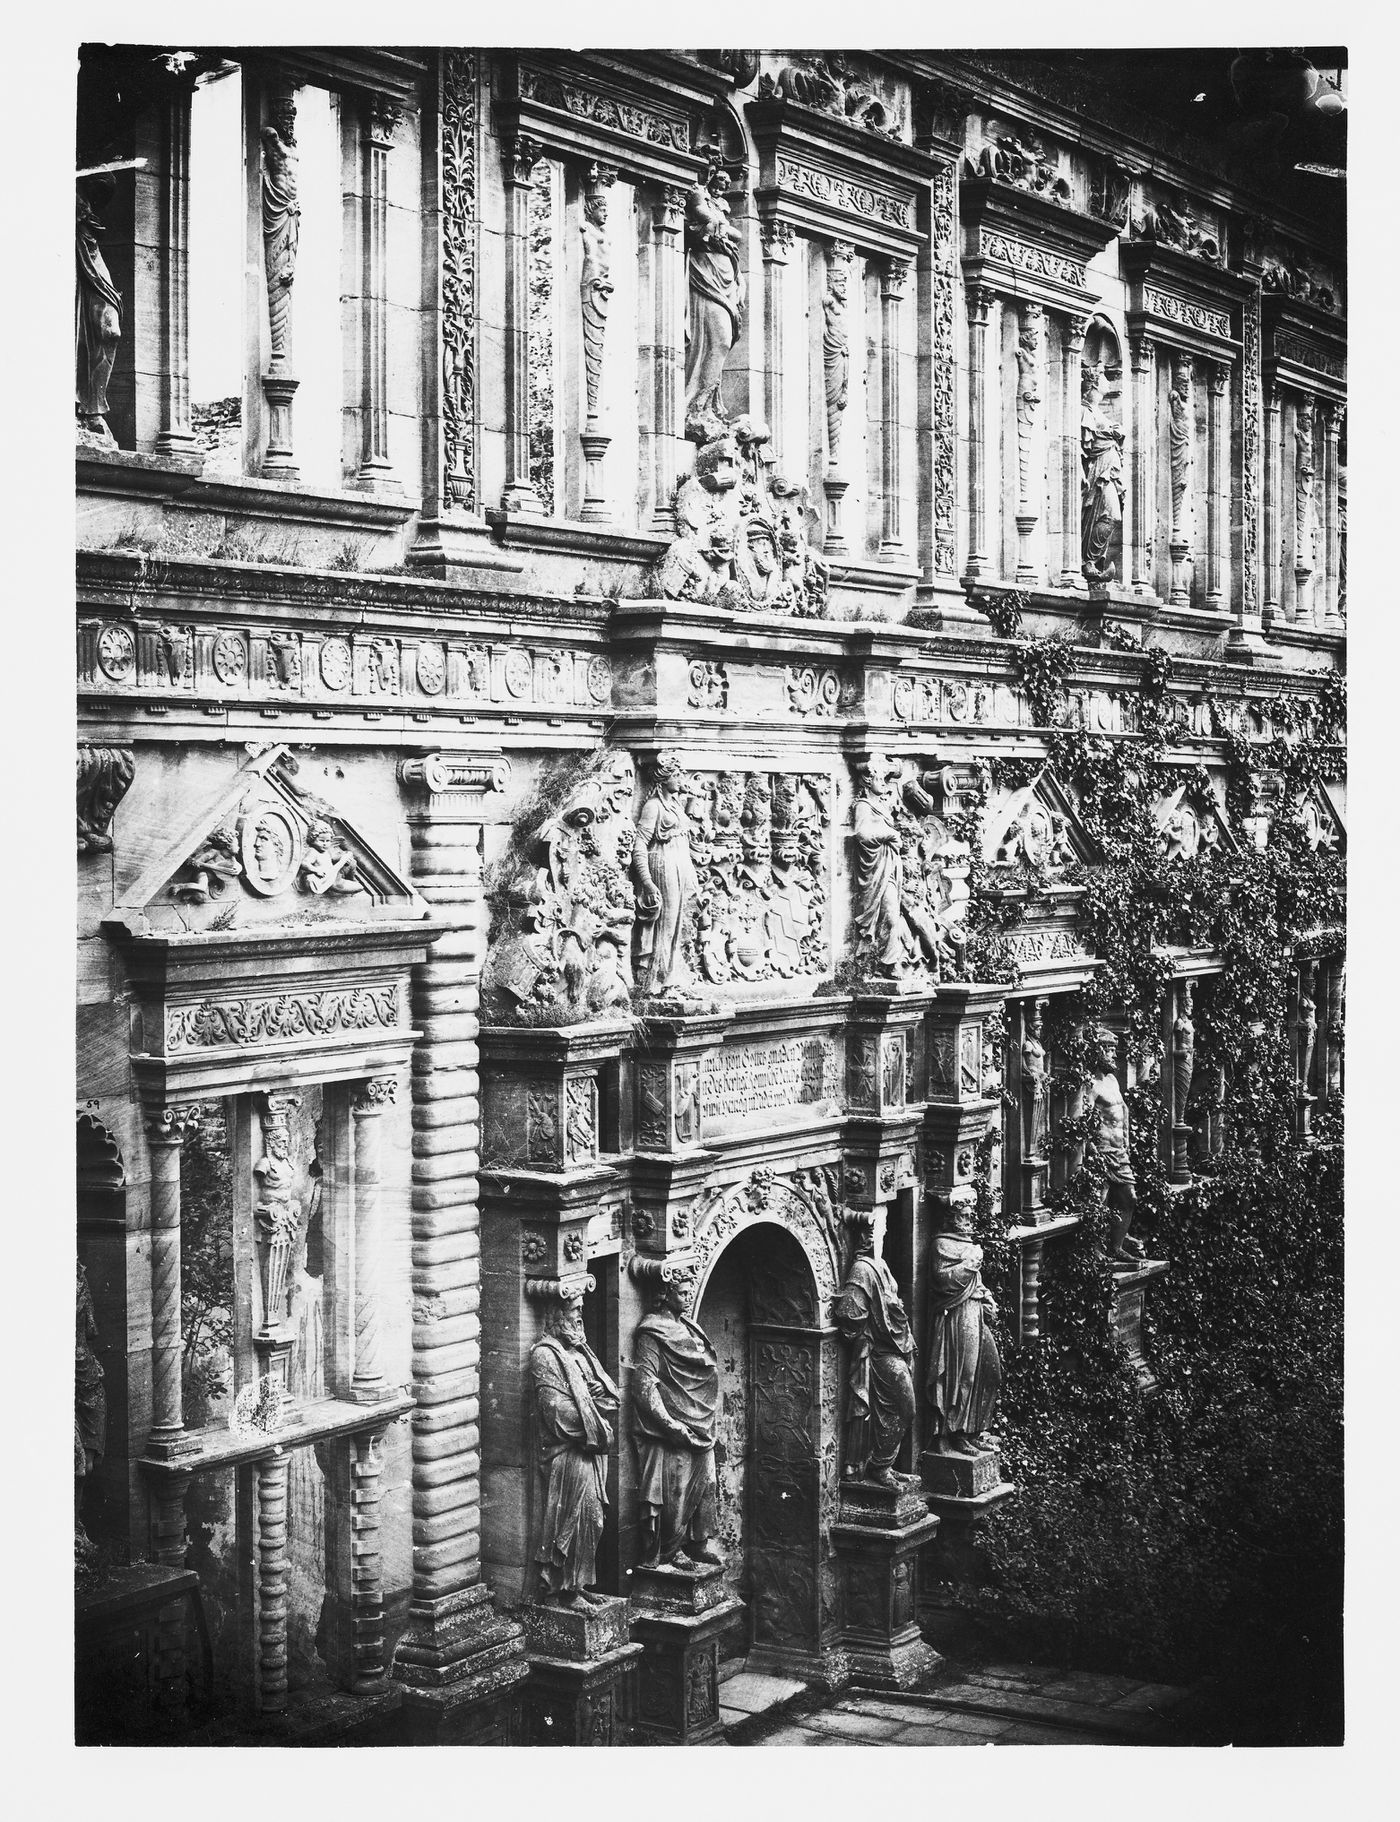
(1189, 830)
(1035, 828)
(265, 852)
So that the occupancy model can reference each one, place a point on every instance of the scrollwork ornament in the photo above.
(376, 1093)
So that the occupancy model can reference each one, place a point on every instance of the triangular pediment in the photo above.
(265, 852)
(1189, 829)
(1036, 828)
(1320, 817)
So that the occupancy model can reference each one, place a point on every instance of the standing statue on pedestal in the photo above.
(1181, 432)
(570, 1436)
(665, 878)
(964, 1366)
(277, 1213)
(595, 290)
(715, 302)
(879, 871)
(1111, 1143)
(879, 1379)
(1307, 1025)
(281, 223)
(1104, 491)
(675, 1411)
(1304, 506)
(98, 317)
(89, 1404)
(1035, 1083)
(836, 346)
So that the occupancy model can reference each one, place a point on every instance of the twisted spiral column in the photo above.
(366, 1565)
(273, 1575)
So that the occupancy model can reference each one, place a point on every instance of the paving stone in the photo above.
(1016, 1673)
(855, 1726)
(1026, 1735)
(939, 1736)
(917, 1715)
(751, 1692)
(1083, 1687)
(793, 1736)
(1158, 1697)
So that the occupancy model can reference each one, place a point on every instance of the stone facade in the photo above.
(523, 793)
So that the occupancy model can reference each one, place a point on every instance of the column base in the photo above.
(461, 1665)
(953, 1561)
(1129, 1294)
(878, 1537)
(583, 1672)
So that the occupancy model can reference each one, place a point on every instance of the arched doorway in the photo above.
(760, 1304)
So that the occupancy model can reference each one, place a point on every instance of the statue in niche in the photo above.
(327, 864)
(277, 1214)
(1181, 431)
(1304, 504)
(90, 1402)
(879, 877)
(665, 876)
(1104, 491)
(1027, 395)
(1111, 1144)
(700, 559)
(1183, 1052)
(1035, 1083)
(964, 1366)
(836, 347)
(281, 221)
(562, 924)
(98, 316)
(715, 302)
(573, 1406)
(879, 1375)
(675, 1413)
(1307, 1025)
(595, 286)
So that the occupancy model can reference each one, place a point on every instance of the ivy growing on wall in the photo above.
(1193, 1534)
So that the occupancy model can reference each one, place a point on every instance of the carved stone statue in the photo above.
(1307, 1025)
(910, 892)
(98, 316)
(1027, 397)
(675, 1411)
(804, 572)
(700, 559)
(1305, 560)
(1183, 1052)
(879, 871)
(595, 290)
(1035, 1083)
(665, 876)
(1182, 437)
(276, 1212)
(760, 584)
(104, 778)
(964, 1366)
(1111, 1144)
(879, 1380)
(327, 864)
(1104, 491)
(573, 1400)
(836, 347)
(715, 303)
(281, 223)
(90, 1400)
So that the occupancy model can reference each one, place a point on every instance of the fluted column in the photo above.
(457, 1648)
(274, 1572)
(668, 353)
(1332, 418)
(376, 470)
(1143, 357)
(1071, 466)
(1217, 484)
(520, 156)
(369, 1384)
(836, 379)
(176, 435)
(777, 238)
(1273, 465)
(979, 310)
(893, 274)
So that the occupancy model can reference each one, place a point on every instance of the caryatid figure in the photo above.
(665, 877)
(964, 1365)
(571, 1434)
(879, 1379)
(1183, 1053)
(1035, 1083)
(98, 316)
(675, 1414)
(1111, 1143)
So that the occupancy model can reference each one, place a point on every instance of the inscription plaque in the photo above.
(746, 1082)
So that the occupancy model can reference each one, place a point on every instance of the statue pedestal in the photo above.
(678, 1616)
(1129, 1294)
(582, 1674)
(963, 1490)
(461, 1664)
(878, 1536)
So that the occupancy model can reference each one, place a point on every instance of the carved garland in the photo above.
(944, 430)
(459, 166)
(214, 1023)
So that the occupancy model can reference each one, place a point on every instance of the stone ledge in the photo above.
(125, 473)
